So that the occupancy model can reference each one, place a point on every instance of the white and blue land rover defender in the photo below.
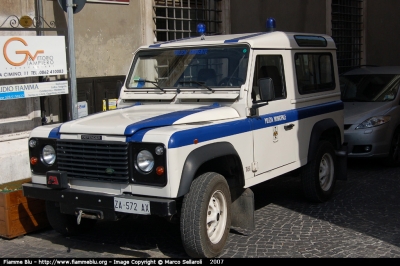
(199, 122)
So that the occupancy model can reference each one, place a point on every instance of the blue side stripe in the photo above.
(186, 137)
(139, 135)
(320, 109)
(135, 132)
(244, 37)
(298, 114)
(161, 120)
(55, 133)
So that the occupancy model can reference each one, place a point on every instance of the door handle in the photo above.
(288, 127)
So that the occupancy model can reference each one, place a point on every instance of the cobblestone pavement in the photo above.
(362, 220)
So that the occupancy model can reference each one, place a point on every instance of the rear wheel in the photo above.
(394, 154)
(206, 216)
(66, 224)
(318, 176)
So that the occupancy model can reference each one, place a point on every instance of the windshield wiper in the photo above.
(198, 83)
(149, 81)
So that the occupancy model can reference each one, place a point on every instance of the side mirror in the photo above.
(267, 92)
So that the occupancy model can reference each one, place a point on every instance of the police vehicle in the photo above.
(199, 122)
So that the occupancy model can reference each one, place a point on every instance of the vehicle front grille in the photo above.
(347, 126)
(94, 160)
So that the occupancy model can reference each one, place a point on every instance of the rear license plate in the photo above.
(132, 206)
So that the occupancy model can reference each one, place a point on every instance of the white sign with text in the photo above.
(18, 91)
(82, 109)
(29, 56)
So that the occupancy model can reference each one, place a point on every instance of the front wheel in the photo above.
(206, 216)
(318, 176)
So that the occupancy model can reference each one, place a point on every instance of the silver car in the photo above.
(372, 112)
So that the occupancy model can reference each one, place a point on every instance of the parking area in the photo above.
(362, 220)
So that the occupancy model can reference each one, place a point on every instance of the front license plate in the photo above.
(132, 206)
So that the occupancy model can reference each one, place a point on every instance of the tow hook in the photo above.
(78, 219)
(89, 214)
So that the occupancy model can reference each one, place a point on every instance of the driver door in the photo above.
(274, 133)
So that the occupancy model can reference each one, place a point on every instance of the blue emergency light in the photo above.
(270, 24)
(201, 28)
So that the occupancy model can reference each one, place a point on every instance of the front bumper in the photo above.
(72, 200)
(379, 138)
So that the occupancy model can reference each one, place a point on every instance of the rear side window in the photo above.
(314, 72)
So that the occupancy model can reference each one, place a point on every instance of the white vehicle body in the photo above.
(224, 128)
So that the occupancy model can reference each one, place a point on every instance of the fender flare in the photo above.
(198, 157)
(316, 133)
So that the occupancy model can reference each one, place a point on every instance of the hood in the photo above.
(357, 112)
(129, 120)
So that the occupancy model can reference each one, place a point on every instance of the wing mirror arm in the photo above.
(255, 106)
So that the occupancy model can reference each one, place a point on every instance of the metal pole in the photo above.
(39, 16)
(39, 24)
(72, 70)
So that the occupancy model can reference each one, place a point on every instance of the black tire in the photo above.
(394, 153)
(204, 224)
(66, 224)
(318, 176)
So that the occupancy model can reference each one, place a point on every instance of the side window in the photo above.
(314, 72)
(269, 66)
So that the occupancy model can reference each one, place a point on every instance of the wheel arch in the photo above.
(206, 158)
(326, 129)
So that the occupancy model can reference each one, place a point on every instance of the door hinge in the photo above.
(254, 166)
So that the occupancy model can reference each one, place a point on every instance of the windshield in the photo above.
(369, 88)
(205, 67)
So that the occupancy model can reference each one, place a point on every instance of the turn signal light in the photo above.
(160, 170)
(34, 160)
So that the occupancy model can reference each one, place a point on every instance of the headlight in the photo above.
(49, 155)
(145, 161)
(374, 122)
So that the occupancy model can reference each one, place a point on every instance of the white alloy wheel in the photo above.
(216, 217)
(326, 172)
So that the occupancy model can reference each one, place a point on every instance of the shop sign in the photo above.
(29, 56)
(18, 91)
